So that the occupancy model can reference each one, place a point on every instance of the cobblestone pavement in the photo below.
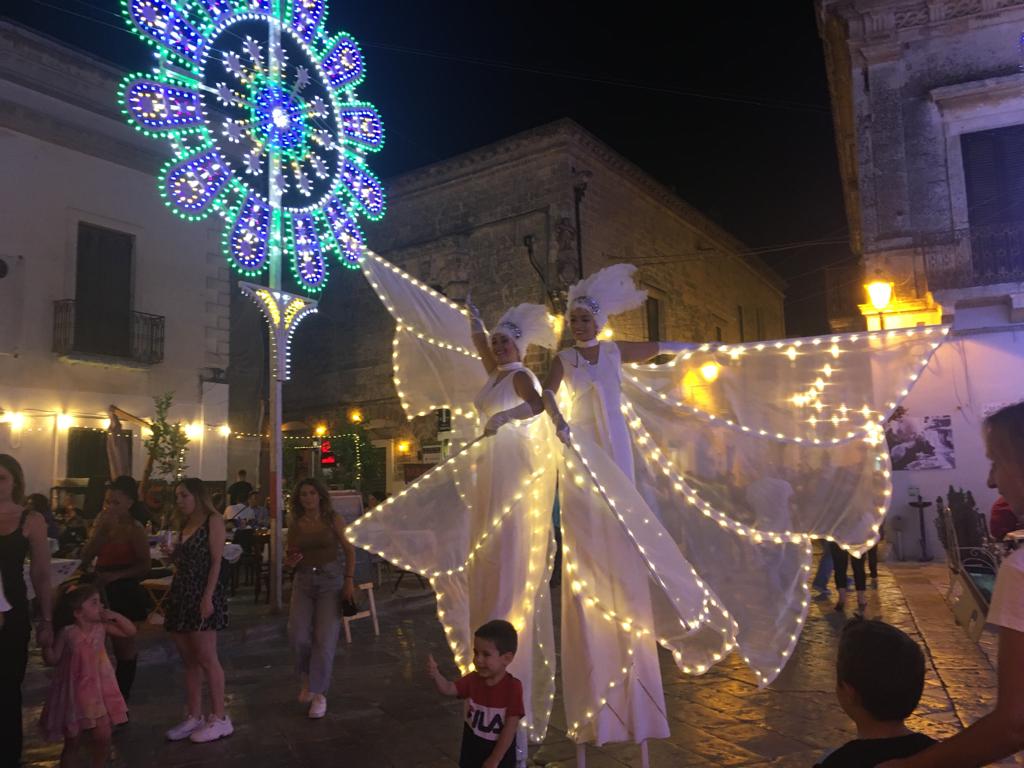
(384, 712)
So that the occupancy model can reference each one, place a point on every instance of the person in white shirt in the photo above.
(242, 515)
(260, 515)
(1001, 732)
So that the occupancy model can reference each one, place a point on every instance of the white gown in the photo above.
(690, 498)
(486, 516)
(634, 708)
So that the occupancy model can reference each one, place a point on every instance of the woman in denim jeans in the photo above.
(316, 539)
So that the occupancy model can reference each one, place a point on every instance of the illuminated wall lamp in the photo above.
(880, 297)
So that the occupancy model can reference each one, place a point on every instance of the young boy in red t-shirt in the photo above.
(494, 698)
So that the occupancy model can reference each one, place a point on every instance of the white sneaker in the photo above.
(318, 707)
(185, 728)
(213, 729)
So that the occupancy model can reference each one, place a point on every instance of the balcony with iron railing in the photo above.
(138, 340)
(976, 256)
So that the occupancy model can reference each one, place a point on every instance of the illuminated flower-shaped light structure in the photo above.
(258, 104)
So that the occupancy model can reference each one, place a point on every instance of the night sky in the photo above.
(727, 105)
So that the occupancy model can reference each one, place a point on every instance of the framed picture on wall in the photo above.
(920, 442)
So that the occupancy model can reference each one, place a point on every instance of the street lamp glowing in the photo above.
(65, 421)
(321, 430)
(403, 446)
(879, 294)
(606, 333)
(355, 416)
(224, 430)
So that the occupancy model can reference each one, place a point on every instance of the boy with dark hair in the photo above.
(494, 698)
(879, 680)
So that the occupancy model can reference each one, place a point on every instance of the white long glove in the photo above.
(521, 411)
(551, 408)
(476, 322)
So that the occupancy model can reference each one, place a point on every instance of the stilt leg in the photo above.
(581, 756)
(645, 760)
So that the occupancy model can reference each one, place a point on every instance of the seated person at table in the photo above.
(241, 515)
(879, 680)
(260, 515)
(75, 528)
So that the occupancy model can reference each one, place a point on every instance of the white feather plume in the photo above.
(612, 288)
(535, 325)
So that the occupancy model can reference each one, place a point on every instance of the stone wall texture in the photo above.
(461, 225)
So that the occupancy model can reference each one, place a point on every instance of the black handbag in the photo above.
(346, 607)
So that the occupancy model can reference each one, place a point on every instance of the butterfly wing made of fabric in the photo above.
(434, 361)
(748, 452)
(479, 524)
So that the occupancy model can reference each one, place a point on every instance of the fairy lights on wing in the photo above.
(818, 411)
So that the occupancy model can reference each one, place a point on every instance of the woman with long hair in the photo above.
(121, 550)
(197, 608)
(316, 541)
(22, 533)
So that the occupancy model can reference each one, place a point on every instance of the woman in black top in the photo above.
(196, 609)
(21, 532)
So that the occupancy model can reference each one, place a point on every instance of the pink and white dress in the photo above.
(83, 689)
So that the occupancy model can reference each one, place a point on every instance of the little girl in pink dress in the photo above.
(83, 692)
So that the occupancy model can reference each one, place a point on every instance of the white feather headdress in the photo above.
(607, 292)
(528, 324)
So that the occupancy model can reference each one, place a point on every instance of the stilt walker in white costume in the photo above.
(691, 491)
(481, 528)
(754, 557)
(633, 710)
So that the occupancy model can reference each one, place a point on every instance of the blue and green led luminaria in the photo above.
(228, 106)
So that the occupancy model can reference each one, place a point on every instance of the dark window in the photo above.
(994, 175)
(718, 333)
(87, 452)
(103, 296)
(759, 318)
(653, 320)
(739, 316)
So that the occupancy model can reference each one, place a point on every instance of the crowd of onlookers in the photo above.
(879, 670)
(105, 600)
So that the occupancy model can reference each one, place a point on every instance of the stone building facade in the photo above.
(928, 101)
(501, 222)
(105, 296)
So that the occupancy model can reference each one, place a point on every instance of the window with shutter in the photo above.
(994, 174)
(994, 180)
(103, 296)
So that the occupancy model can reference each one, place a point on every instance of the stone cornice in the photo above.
(56, 69)
(876, 21)
(952, 98)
